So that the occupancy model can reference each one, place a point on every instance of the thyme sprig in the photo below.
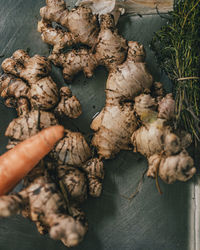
(176, 47)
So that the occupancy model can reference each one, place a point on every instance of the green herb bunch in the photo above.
(177, 47)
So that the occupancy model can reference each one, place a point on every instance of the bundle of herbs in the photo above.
(176, 47)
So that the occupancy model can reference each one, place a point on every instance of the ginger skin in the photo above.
(43, 202)
(69, 105)
(27, 125)
(72, 150)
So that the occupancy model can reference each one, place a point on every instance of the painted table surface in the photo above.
(150, 221)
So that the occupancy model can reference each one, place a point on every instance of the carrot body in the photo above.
(17, 162)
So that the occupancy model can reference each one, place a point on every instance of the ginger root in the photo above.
(51, 196)
(72, 149)
(81, 23)
(109, 51)
(117, 121)
(45, 205)
(29, 124)
(156, 139)
(107, 47)
(27, 86)
(95, 174)
(28, 77)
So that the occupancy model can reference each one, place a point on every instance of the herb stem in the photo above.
(176, 47)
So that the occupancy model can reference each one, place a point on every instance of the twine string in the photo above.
(188, 78)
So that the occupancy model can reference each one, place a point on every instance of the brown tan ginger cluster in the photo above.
(137, 115)
(53, 191)
(119, 125)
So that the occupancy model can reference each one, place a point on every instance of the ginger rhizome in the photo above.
(43, 202)
(117, 121)
(106, 46)
(164, 148)
(53, 191)
(28, 77)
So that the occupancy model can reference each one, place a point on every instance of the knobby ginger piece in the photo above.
(46, 206)
(110, 50)
(29, 77)
(117, 121)
(106, 46)
(156, 139)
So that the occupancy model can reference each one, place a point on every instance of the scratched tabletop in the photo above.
(148, 222)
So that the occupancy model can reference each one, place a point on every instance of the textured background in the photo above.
(150, 221)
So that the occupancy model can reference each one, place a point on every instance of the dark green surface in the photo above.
(150, 221)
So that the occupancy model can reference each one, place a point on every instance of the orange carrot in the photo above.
(17, 162)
